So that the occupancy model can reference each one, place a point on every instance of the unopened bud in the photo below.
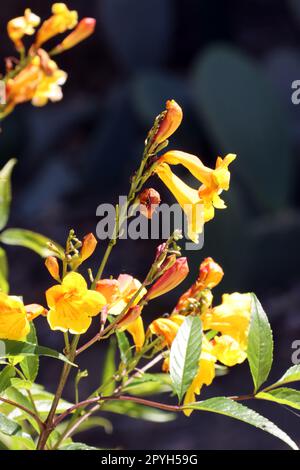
(132, 314)
(83, 30)
(52, 265)
(171, 120)
(170, 279)
(89, 244)
(149, 200)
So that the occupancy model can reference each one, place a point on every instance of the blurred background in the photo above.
(231, 66)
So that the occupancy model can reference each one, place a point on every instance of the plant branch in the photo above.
(25, 409)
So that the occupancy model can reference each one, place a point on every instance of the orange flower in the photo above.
(88, 247)
(51, 264)
(167, 327)
(170, 279)
(83, 30)
(21, 26)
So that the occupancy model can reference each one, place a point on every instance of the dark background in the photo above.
(230, 65)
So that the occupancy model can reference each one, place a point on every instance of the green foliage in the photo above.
(5, 377)
(134, 410)
(5, 191)
(283, 396)
(228, 407)
(36, 242)
(30, 364)
(14, 349)
(3, 272)
(291, 375)
(185, 354)
(149, 384)
(260, 344)
(108, 383)
(7, 426)
(124, 347)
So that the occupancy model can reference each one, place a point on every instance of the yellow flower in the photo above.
(61, 20)
(14, 323)
(49, 85)
(214, 181)
(228, 351)
(21, 26)
(188, 199)
(205, 375)
(136, 329)
(72, 305)
(167, 327)
(231, 318)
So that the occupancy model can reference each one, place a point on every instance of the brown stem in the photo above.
(24, 408)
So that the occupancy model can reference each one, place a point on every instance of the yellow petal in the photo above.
(136, 329)
(75, 281)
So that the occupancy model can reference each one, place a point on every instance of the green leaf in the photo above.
(291, 375)
(284, 396)
(133, 410)
(95, 422)
(22, 442)
(124, 347)
(78, 446)
(185, 354)
(108, 383)
(5, 377)
(260, 344)
(3, 272)
(36, 242)
(223, 80)
(5, 191)
(8, 427)
(149, 384)
(226, 406)
(30, 365)
(19, 348)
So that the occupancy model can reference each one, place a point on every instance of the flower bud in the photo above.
(132, 314)
(170, 279)
(210, 274)
(61, 20)
(83, 30)
(171, 120)
(89, 244)
(52, 265)
(149, 200)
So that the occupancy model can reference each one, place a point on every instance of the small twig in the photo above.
(25, 409)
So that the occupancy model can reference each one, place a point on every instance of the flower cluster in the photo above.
(225, 326)
(36, 77)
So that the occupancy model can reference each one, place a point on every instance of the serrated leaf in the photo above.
(4, 287)
(108, 384)
(19, 348)
(291, 375)
(30, 365)
(284, 396)
(124, 347)
(260, 344)
(5, 191)
(5, 377)
(9, 427)
(36, 242)
(185, 354)
(226, 406)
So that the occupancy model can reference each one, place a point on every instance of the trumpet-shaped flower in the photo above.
(17, 28)
(136, 329)
(205, 374)
(61, 20)
(167, 327)
(228, 351)
(188, 199)
(14, 324)
(72, 305)
(214, 181)
(231, 318)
